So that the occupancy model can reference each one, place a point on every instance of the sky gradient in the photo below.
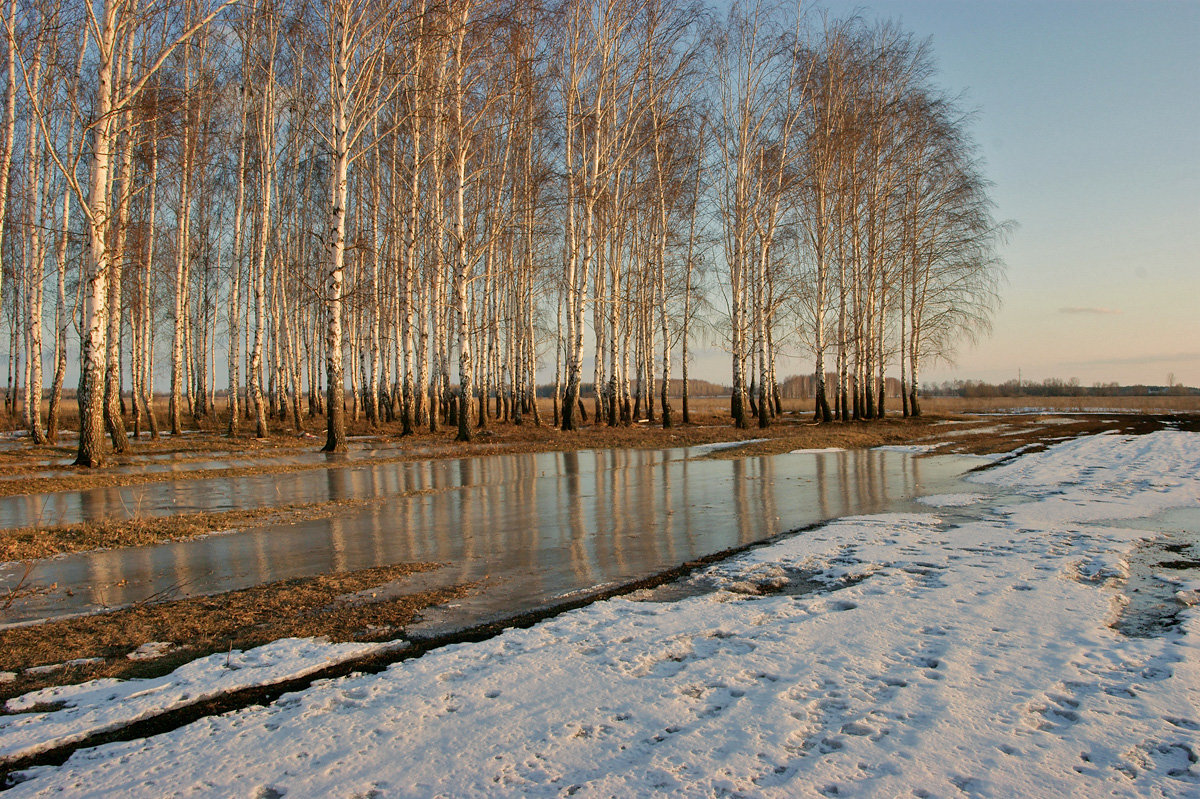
(1089, 123)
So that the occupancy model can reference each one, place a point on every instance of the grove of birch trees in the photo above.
(289, 213)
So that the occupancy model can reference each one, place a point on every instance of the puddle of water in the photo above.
(356, 480)
(537, 527)
(1153, 608)
(783, 582)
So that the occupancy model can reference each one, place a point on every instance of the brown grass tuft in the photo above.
(199, 626)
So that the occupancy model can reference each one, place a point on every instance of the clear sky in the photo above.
(1089, 123)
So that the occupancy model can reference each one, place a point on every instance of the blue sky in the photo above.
(1089, 123)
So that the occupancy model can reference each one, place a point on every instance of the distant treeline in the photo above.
(1051, 387)
(792, 387)
(696, 388)
(805, 386)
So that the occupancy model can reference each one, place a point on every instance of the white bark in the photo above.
(112, 373)
(10, 123)
(97, 257)
(339, 57)
(237, 266)
(356, 93)
(34, 269)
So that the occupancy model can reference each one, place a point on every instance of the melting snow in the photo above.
(916, 449)
(951, 500)
(107, 704)
(938, 659)
(704, 449)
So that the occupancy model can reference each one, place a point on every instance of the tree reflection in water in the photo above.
(533, 527)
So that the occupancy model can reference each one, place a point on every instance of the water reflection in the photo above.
(535, 527)
(1155, 570)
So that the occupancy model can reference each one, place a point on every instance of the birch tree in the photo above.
(754, 73)
(825, 135)
(109, 22)
(10, 120)
(354, 58)
(33, 275)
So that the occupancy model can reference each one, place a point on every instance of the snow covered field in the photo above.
(963, 651)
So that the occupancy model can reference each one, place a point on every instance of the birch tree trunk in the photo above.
(375, 390)
(10, 125)
(407, 269)
(237, 265)
(36, 202)
(147, 326)
(354, 55)
(97, 256)
(267, 164)
(112, 374)
(182, 244)
(62, 321)
(335, 439)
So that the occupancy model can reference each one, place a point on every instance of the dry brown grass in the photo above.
(23, 469)
(300, 607)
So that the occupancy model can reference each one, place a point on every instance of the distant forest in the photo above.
(1053, 387)
(804, 387)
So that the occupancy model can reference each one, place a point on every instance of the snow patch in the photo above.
(51, 668)
(935, 659)
(915, 449)
(704, 449)
(976, 430)
(151, 650)
(951, 500)
(105, 704)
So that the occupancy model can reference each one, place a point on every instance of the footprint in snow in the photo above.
(1186, 724)
(1177, 759)
(858, 728)
(1056, 712)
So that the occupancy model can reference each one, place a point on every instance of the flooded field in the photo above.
(535, 527)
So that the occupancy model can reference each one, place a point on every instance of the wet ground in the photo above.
(536, 529)
(1155, 570)
(535, 532)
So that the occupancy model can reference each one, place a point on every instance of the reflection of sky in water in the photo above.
(1156, 567)
(536, 526)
